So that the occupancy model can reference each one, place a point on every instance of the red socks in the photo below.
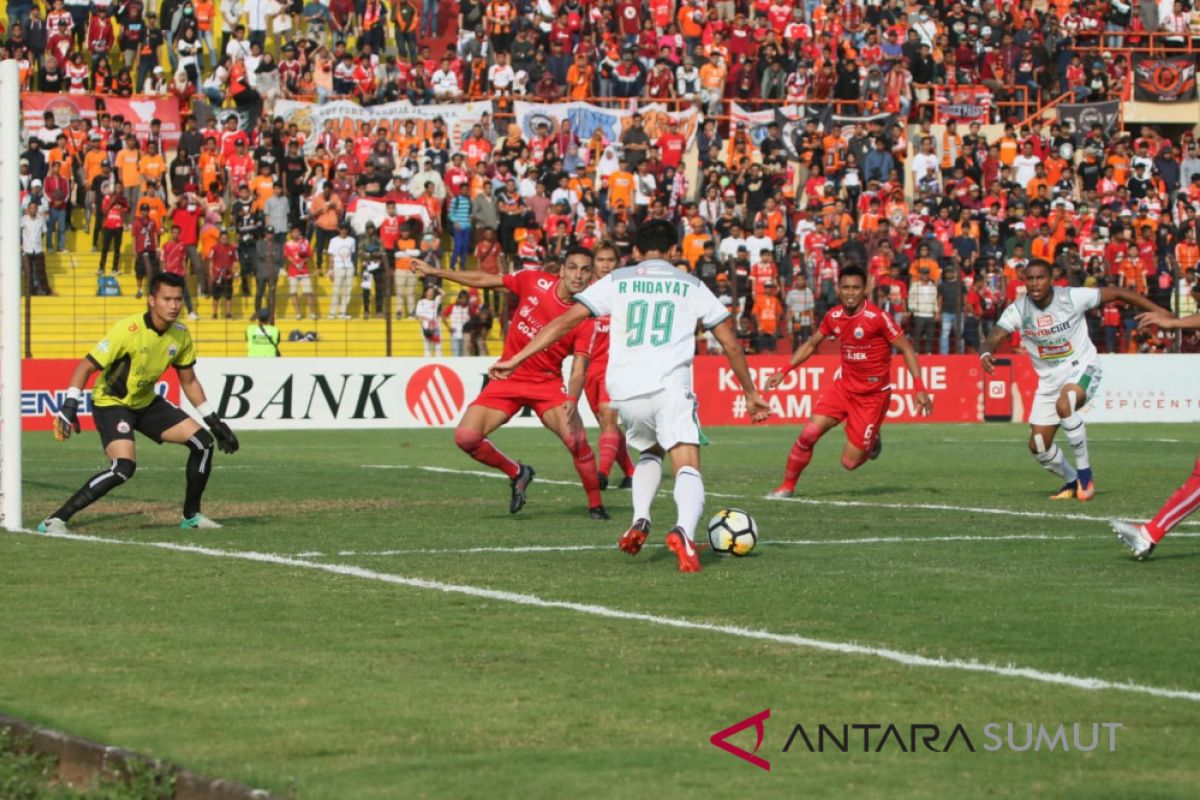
(1185, 500)
(623, 459)
(609, 441)
(585, 465)
(801, 454)
(483, 451)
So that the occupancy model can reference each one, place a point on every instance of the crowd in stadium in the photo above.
(943, 222)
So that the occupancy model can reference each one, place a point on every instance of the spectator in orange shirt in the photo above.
(768, 312)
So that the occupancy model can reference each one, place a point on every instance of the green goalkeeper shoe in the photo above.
(198, 521)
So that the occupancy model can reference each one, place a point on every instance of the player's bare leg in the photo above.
(802, 452)
(477, 424)
(1070, 400)
(1143, 538)
(1050, 456)
(564, 421)
(689, 505)
(612, 447)
(199, 443)
(853, 457)
(122, 455)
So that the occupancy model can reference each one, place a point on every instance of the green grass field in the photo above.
(366, 632)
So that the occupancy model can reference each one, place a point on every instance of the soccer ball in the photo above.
(732, 532)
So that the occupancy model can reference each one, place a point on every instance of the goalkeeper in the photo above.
(131, 359)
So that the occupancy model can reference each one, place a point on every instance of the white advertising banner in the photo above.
(1147, 388)
(308, 393)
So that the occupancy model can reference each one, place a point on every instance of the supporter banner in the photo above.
(1083, 116)
(756, 122)
(65, 108)
(306, 393)
(142, 110)
(345, 117)
(1164, 80)
(954, 382)
(363, 210)
(585, 118)
(43, 389)
(656, 118)
(962, 104)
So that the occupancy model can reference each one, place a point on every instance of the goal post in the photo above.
(10, 296)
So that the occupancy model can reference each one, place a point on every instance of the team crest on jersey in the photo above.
(133, 327)
(172, 350)
(122, 427)
(544, 283)
(1045, 321)
(641, 271)
(858, 333)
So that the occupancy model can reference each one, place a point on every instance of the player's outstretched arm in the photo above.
(997, 336)
(758, 408)
(802, 354)
(66, 421)
(227, 442)
(558, 328)
(904, 345)
(1166, 321)
(474, 278)
(1110, 294)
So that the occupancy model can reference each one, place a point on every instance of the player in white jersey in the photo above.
(1054, 332)
(655, 308)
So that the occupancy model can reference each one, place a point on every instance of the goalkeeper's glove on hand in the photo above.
(67, 421)
(227, 442)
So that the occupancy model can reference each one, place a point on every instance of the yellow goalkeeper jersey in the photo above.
(134, 356)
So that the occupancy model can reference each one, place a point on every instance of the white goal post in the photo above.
(10, 297)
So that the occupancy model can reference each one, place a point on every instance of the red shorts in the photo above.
(596, 390)
(862, 413)
(511, 396)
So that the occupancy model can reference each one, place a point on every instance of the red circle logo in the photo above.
(435, 395)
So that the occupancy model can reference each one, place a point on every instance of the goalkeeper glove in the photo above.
(67, 420)
(226, 441)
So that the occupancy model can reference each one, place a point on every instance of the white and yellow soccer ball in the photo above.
(732, 532)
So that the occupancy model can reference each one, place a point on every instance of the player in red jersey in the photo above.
(538, 383)
(860, 396)
(1143, 537)
(612, 438)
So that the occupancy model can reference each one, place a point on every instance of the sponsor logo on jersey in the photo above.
(103, 346)
(1045, 321)
(122, 427)
(545, 283)
(133, 327)
(1053, 351)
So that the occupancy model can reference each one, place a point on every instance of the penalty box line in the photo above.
(808, 501)
(793, 640)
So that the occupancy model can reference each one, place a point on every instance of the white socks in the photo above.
(1076, 432)
(646, 478)
(1052, 460)
(689, 500)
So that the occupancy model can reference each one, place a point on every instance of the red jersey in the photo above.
(538, 304)
(296, 254)
(598, 349)
(866, 340)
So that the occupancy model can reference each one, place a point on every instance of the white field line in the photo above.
(1018, 440)
(844, 648)
(809, 501)
(570, 548)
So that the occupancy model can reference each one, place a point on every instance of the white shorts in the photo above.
(666, 418)
(1045, 401)
(300, 283)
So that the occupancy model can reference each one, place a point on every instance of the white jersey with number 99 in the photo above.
(654, 308)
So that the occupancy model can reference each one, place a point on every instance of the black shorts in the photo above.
(221, 290)
(119, 422)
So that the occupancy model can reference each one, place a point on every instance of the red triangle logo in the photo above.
(720, 739)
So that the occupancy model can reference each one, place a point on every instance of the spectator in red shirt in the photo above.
(222, 269)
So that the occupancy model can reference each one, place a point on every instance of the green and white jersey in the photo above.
(654, 309)
(1057, 334)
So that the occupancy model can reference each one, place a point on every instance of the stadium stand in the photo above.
(785, 140)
